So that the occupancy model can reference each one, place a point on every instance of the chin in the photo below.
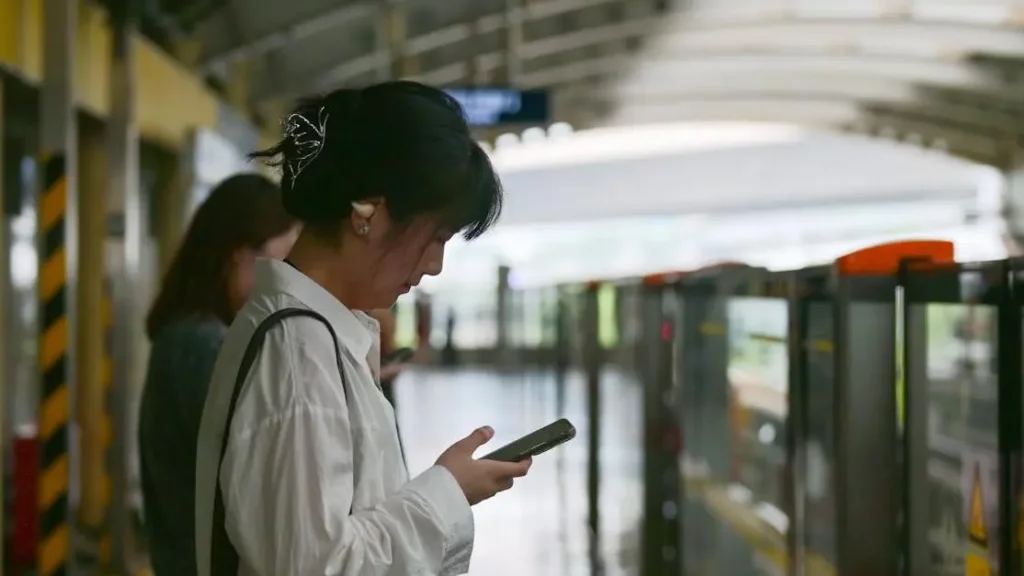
(386, 302)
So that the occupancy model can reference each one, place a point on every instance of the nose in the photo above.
(435, 261)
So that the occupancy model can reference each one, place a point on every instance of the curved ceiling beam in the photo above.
(820, 112)
(880, 93)
(667, 72)
(859, 88)
(905, 35)
(970, 145)
(698, 69)
(832, 35)
(983, 120)
(337, 17)
(824, 113)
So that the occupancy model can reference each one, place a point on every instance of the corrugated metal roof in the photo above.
(940, 73)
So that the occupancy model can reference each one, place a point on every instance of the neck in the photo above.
(327, 266)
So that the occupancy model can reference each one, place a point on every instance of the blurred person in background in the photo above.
(299, 468)
(449, 355)
(207, 283)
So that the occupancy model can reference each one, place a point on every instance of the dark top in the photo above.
(178, 376)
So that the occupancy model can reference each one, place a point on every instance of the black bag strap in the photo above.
(224, 559)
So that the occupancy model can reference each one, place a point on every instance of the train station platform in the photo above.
(800, 413)
(540, 527)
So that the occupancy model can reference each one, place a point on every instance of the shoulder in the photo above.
(287, 327)
(297, 360)
(198, 334)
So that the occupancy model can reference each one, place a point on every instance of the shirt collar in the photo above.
(357, 330)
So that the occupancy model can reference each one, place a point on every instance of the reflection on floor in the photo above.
(538, 528)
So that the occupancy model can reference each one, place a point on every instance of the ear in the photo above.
(362, 214)
(367, 207)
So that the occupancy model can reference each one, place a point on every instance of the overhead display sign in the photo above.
(497, 106)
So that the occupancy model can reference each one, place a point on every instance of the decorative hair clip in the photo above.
(307, 137)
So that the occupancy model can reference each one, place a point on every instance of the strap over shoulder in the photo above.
(224, 558)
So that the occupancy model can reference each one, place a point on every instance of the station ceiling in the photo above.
(947, 74)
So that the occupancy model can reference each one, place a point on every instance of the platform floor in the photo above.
(538, 528)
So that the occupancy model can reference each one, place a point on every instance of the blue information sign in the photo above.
(497, 106)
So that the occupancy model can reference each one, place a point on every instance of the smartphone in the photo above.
(400, 356)
(534, 443)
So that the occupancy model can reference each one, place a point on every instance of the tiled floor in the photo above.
(539, 528)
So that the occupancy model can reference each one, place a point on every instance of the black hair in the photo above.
(404, 141)
(243, 211)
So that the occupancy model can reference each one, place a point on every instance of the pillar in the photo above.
(394, 63)
(238, 86)
(123, 176)
(188, 51)
(476, 73)
(174, 203)
(4, 265)
(1008, 188)
(513, 42)
(502, 316)
(91, 401)
(58, 232)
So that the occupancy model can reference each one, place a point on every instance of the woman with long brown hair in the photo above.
(208, 281)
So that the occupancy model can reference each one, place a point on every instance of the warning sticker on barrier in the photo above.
(977, 490)
(976, 529)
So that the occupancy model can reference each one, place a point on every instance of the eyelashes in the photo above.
(307, 138)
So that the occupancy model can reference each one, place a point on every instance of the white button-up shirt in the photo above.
(301, 455)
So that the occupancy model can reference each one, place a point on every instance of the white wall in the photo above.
(817, 169)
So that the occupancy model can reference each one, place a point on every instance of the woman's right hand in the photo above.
(480, 479)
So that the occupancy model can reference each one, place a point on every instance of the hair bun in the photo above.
(314, 126)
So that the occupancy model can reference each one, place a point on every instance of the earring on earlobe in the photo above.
(363, 230)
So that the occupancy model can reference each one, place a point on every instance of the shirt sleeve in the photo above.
(289, 480)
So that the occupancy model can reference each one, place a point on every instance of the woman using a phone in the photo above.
(299, 466)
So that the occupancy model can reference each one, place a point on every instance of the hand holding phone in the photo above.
(535, 443)
(480, 479)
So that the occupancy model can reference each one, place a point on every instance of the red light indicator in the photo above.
(666, 331)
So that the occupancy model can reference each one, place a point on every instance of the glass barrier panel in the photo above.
(963, 448)
(820, 442)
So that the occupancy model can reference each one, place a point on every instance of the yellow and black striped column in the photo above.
(56, 207)
(107, 427)
(55, 396)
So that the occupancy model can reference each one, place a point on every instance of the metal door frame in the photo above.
(923, 284)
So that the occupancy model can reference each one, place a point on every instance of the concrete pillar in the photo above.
(394, 63)
(188, 51)
(91, 395)
(502, 316)
(174, 202)
(1012, 196)
(58, 234)
(123, 174)
(513, 42)
(238, 85)
(4, 266)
